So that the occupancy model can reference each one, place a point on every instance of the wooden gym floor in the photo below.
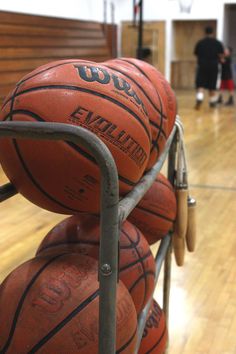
(203, 291)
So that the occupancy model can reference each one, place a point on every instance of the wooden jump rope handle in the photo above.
(182, 212)
(191, 226)
(179, 249)
(180, 225)
(185, 224)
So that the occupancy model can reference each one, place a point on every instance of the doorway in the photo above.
(229, 34)
(153, 38)
(183, 64)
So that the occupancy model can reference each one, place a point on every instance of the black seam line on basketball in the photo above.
(142, 264)
(138, 235)
(159, 340)
(89, 157)
(144, 92)
(49, 68)
(89, 242)
(161, 131)
(60, 325)
(154, 146)
(155, 142)
(35, 183)
(162, 116)
(140, 278)
(20, 304)
(38, 73)
(69, 243)
(122, 269)
(156, 214)
(132, 243)
(86, 242)
(92, 92)
(142, 72)
(72, 145)
(12, 103)
(164, 184)
(127, 343)
(136, 66)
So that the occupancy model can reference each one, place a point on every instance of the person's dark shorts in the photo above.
(206, 76)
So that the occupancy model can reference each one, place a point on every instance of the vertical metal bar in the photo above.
(167, 263)
(159, 261)
(113, 31)
(166, 288)
(134, 13)
(105, 17)
(140, 31)
(108, 264)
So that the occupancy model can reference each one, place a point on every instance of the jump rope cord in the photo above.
(182, 170)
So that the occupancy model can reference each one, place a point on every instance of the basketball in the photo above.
(155, 333)
(50, 305)
(161, 84)
(61, 176)
(136, 262)
(156, 212)
(154, 103)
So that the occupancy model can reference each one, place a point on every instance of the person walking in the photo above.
(227, 78)
(209, 52)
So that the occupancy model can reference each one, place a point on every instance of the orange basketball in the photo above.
(136, 262)
(156, 212)
(161, 85)
(154, 103)
(50, 305)
(155, 333)
(61, 176)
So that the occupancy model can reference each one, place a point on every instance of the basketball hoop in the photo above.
(185, 5)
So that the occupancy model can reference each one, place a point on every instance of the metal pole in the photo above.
(160, 256)
(167, 263)
(105, 17)
(140, 31)
(134, 13)
(113, 33)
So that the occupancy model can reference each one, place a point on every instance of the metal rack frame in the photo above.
(113, 213)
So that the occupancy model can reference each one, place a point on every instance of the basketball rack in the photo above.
(113, 213)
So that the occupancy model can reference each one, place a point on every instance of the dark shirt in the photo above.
(226, 73)
(208, 50)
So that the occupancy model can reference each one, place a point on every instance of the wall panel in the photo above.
(28, 41)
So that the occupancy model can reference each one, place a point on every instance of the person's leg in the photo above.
(213, 98)
(230, 87)
(199, 88)
(211, 84)
(199, 97)
(220, 99)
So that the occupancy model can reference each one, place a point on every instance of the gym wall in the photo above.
(28, 41)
